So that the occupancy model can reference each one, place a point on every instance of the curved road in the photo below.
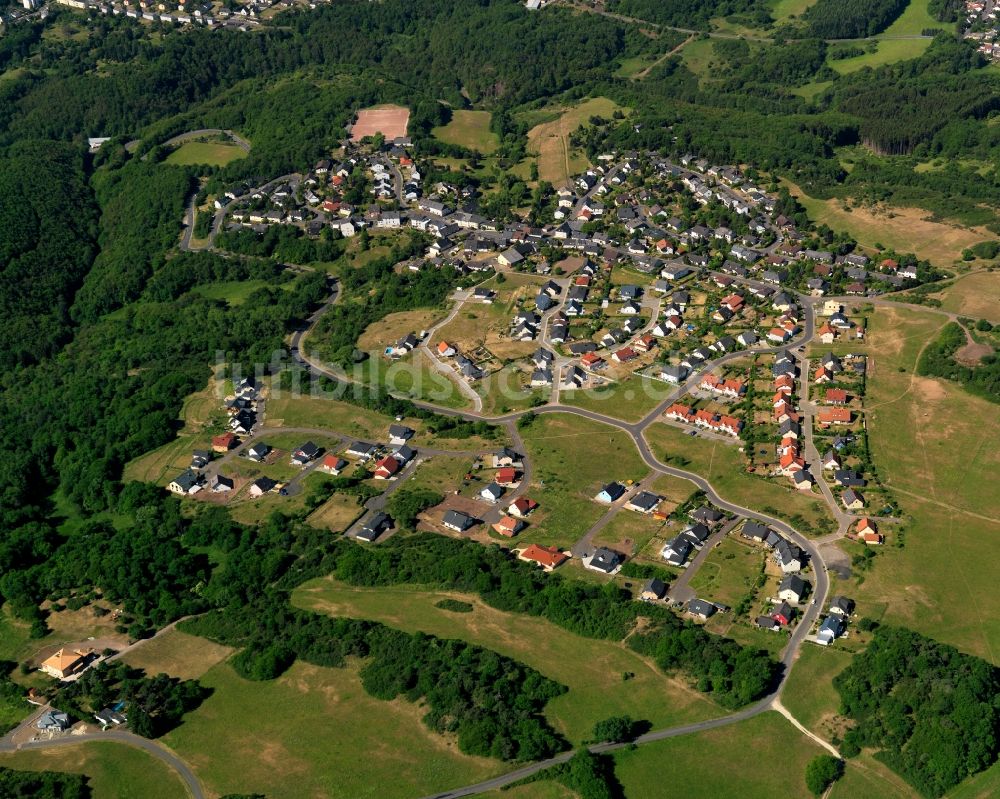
(125, 737)
(636, 431)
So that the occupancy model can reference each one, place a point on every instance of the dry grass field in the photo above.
(549, 141)
(976, 295)
(177, 654)
(908, 230)
(337, 513)
(393, 327)
(591, 669)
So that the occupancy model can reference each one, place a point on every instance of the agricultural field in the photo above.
(729, 572)
(973, 295)
(177, 654)
(752, 749)
(207, 153)
(928, 437)
(469, 129)
(591, 669)
(903, 229)
(572, 458)
(549, 141)
(722, 464)
(114, 769)
(285, 737)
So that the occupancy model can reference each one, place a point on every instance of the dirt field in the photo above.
(550, 140)
(908, 230)
(389, 120)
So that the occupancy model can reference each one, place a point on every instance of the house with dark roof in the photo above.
(676, 551)
(604, 560)
(643, 502)
(831, 629)
(610, 493)
(842, 606)
(374, 527)
(457, 520)
(653, 589)
(792, 588)
(701, 608)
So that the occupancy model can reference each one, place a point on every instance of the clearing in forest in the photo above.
(389, 120)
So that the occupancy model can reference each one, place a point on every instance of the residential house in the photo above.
(842, 606)
(400, 434)
(868, 533)
(186, 483)
(653, 590)
(492, 492)
(261, 486)
(509, 526)
(610, 493)
(676, 551)
(643, 502)
(457, 520)
(604, 560)
(783, 613)
(225, 442)
(64, 662)
(221, 484)
(361, 450)
(506, 476)
(701, 609)
(831, 629)
(386, 468)
(304, 454)
(521, 507)
(507, 457)
(792, 589)
(852, 500)
(53, 721)
(548, 558)
(258, 452)
(374, 527)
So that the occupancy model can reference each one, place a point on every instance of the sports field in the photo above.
(591, 669)
(210, 153)
(389, 120)
(469, 129)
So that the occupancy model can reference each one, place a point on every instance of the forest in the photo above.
(852, 19)
(931, 711)
(43, 785)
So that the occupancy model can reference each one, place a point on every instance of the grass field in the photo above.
(728, 573)
(809, 693)
(549, 141)
(697, 57)
(114, 770)
(337, 513)
(722, 464)
(889, 52)
(573, 458)
(469, 129)
(630, 399)
(412, 377)
(592, 670)
(391, 328)
(210, 153)
(177, 654)
(810, 90)
(783, 10)
(865, 777)
(234, 292)
(305, 734)
(931, 441)
(762, 758)
(909, 230)
(974, 295)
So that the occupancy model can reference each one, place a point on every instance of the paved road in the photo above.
(679, 590)
(125, 737)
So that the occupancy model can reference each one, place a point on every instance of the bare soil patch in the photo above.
(389, 120)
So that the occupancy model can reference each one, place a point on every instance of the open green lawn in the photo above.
(729, 572)
(114, 770)
(762, 758)
(591, 669)
(469, 129)
(630, 399)
(210, 153)
(889, 52)
(722, 464)
(572, 458)
(809, 91)
(315, 732)
(809, 693)
(914, 20)
(234, 292)
(865, 777)
(413, 377)
(933, 442)
(783, 10)
(697, 56)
